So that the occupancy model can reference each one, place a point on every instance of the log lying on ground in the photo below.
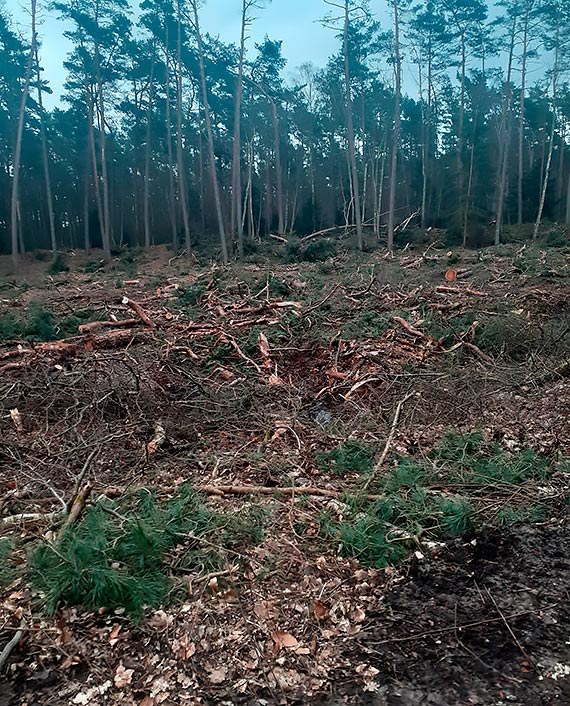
(93, 325)
(139, 311)
(71, 347)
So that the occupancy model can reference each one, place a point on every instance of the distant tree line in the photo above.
(166, 134)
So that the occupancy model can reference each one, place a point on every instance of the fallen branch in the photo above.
(263, 490)
(139, 311)
(28, 517)
(323, 301)
(389, 440)
(478, 352)
(279, 238)
(7, 651)
(443, 289)
(76, 508)
(409, 328)
(93, 325)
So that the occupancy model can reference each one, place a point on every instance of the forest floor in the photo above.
(338, 482)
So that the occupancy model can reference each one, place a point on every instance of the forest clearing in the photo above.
(333, 481)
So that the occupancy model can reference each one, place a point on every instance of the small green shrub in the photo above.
(109, 562)
(351, 457)
(8, 572)
(319, 250)
(123, 555)
(58, 264)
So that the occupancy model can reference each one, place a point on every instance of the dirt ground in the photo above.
(254, 377)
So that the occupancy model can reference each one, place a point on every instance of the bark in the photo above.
(278, 169)
(100, 105)
(552, 135)
(171, 186)
(397, 129)
(45, 159)
(237, 220)
(505, 138)
(147, 161)
(18, 147)
(350, 131)
(210, 135)
(183, 196)
(522, 115)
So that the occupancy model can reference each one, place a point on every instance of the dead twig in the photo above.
(7, 651)
(389, 440)
(323, 301)
(86, 328)
(263, 490)
(76, 508)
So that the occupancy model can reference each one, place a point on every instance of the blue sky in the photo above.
(293, 21)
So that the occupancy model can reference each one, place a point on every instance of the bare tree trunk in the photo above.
(18, 147)
(350, 131)
(505, 138)
(552, 134)
(460, 174)
(86, 234)
(179, 151)
(210, 134)
(45, 159)
(171, 186)
(567, 219)
(522, 115)
(147, 158)
(93, 150)
(397, 128)
(100, 105)
(236, 217)
(278, 170)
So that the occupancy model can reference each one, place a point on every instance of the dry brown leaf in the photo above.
(114, 635)
(264, 346)
(187, 647)
(320, 609)
(123, 677)
(147, 701)
(275, 380)
(283, 639)
(217, 676)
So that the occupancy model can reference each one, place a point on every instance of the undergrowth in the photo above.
(454, 490)
(37, 324)
(125, 555)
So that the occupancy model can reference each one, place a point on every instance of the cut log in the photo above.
(139, 311)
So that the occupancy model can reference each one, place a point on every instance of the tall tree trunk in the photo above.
(147, 158)
(278, 170)
(397, 129)
(86, 233)
(183, 195)
(350, 131)
(171, 186)
(236, 217)
(552, 134)
(459, 158)
(45, 159)
(100, 109)
(505, 139)
(520, 175)
(210, 134)
(18, 146)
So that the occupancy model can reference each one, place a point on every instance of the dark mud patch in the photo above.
(483, 622)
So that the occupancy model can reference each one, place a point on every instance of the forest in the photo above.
(453, 115)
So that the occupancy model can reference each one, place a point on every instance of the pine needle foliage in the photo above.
(115, 556)
(419, 498)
